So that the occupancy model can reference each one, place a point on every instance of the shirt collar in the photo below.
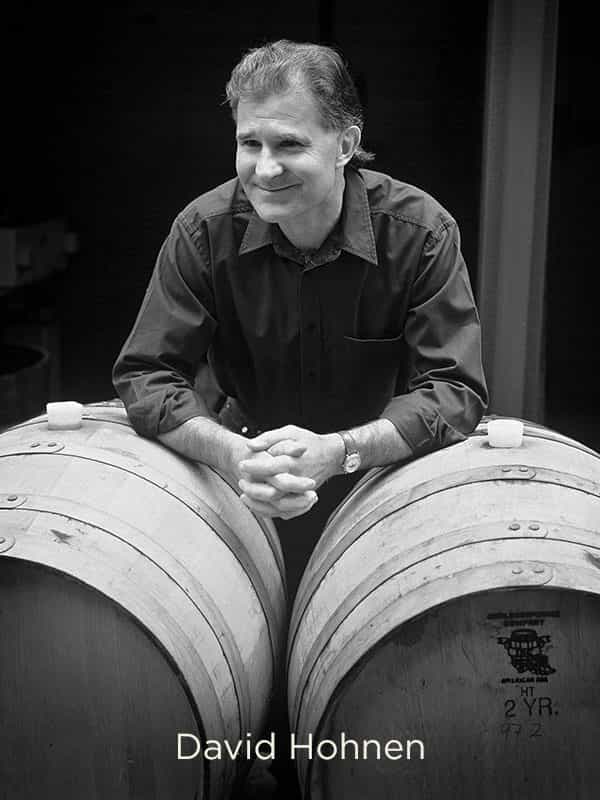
(354, 233)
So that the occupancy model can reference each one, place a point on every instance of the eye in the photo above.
(289, 143)
(249, 143)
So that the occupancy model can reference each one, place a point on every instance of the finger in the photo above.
(286, 510)
(287, 447)
(295, 502)
(284, 447)
(292, 514)
(257, 507)
(265, 492)
(287, 483)
(264, 465)
(289, 507)
(264, 440)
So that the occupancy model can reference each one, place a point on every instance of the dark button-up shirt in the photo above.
(378, 322)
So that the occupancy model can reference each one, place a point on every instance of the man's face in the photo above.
(286, 160)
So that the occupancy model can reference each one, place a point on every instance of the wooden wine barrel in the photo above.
(450, 612)
(139, 599)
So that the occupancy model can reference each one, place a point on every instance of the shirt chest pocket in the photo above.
(370, 368)
(380, 353)
(375, 343)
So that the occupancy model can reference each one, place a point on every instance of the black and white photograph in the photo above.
(299, 402)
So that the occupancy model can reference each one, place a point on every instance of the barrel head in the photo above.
(90, 704)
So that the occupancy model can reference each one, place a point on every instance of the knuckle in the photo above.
(280, 483)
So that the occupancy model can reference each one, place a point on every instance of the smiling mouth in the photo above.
(275, 189)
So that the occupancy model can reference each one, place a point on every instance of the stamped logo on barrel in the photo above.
(527, 646)
(524, 648)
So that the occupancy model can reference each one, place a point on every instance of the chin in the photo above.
(269, 214)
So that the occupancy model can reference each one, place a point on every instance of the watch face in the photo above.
(352, 462)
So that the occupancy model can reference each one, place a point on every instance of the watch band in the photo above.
(352, 459)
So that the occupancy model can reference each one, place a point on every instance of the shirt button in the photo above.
(312, 374)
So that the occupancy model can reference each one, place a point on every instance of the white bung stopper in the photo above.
(64, 415)
(505, 433)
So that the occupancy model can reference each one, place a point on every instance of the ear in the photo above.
(347, 144)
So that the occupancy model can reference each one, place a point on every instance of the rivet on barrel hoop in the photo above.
(12, 500)
(534, 526)
(514, 526)
(47, 447)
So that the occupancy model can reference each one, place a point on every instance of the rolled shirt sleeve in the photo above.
(445, 394)
(155, 370)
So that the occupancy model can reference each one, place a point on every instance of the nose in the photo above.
(267, 167)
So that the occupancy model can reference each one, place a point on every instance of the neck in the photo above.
(310, 232)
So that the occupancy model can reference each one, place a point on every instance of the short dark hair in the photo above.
(278, 66)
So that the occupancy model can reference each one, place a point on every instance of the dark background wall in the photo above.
(117, 123)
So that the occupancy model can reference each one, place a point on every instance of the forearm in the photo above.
(378, 443)
(202, 439)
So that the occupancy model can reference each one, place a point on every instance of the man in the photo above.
(333, 303)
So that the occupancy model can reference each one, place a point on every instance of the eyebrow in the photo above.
(281, 136)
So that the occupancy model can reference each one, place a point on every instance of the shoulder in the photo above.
(404, 203)
(219, 206)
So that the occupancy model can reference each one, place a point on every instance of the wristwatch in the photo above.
(352, 458)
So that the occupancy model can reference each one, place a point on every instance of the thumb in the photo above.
(287, 447)
(265, 440)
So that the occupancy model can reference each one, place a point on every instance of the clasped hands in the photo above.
(284, 467)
